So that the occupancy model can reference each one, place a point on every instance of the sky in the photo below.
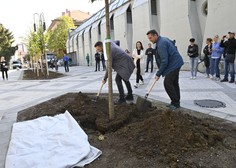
(18, 16)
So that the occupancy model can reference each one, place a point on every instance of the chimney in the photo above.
(67, 10)
(63, 13)
(69, 14)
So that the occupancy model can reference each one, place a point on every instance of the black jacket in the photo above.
(193, 51)
(150, 52)
(207, 51)
(4, 66)
(229, 45)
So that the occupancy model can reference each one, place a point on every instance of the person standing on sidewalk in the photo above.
(230, 48)
(215, 59)
(169, 63)
(138, 55)
(97, 60)
(4, 67)
(66, 62)
(149, 52)
(123, 64)
(193, 57)
(87, 59)
(207, 56)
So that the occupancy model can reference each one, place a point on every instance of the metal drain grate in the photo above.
(209, 103)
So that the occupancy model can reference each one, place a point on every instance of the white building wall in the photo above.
(94, 33)
(81, 54)
(175, 23)
(141, 24)
(176, 19)
(221, 18)
(120, 33)
(86, 46)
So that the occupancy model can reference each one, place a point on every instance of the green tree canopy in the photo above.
(6, 40)
(57, 38)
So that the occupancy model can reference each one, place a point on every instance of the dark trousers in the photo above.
(149, 60)
(97, 65)
(103, 65)
(66, 65)
(4, 71)
(120, 86)
(171, 84)
(138, 74)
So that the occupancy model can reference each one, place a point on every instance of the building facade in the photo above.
(131, 19)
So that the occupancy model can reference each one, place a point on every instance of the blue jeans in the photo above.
(228, 66)
(214, 67)
(193, 66)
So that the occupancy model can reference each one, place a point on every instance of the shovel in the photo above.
(143, 103)
(99, 91)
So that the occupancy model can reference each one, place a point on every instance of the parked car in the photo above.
(16, 64)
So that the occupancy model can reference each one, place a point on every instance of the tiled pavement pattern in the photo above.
(17, 94)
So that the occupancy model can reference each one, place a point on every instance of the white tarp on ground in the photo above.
(49, 142)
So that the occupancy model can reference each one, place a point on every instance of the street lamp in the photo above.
(42, 28)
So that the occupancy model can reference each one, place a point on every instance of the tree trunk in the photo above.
(108, 48)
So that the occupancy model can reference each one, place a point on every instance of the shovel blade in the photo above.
(143, 104)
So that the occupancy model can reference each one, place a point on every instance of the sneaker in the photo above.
(194, 77)
(169, 105)
(142, 83)
(224, 80)
(129, 97)
(136, 85)
(172, 107)
(120, 101)
(217, 79)
(191, 77)
(231, 81)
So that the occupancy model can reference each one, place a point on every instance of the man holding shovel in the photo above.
(123, 64)
(169, 62)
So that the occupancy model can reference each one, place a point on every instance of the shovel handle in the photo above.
(100, 89)
(150, 89)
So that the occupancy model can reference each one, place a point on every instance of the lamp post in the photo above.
(42, 28)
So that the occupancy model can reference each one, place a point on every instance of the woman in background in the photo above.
(138, 55)
(4, 67)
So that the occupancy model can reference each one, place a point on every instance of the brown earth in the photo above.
(32, 75)
(154, 138)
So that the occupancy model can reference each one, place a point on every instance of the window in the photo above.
(99, 28)
(129, 15)
(153, 7)
(205, 8)
(112, 22)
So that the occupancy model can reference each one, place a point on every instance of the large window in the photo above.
(154, 7)
(112, 22)
(129, 15)
(99, 28)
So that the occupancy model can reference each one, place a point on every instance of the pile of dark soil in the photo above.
(155, 138)
(32, 75)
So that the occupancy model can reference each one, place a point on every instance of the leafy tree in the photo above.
(57, 38)
(6, 40)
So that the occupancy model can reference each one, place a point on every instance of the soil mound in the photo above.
(155, 138)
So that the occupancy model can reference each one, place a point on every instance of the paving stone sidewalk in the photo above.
(17, 94)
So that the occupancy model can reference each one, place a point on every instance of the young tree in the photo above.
(108, 48)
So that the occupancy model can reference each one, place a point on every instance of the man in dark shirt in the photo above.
(97, 59)
(230, 48)
(149, 52)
